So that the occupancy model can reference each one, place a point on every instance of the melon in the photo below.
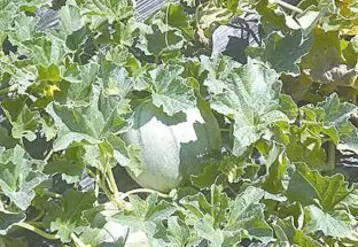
(172, 147)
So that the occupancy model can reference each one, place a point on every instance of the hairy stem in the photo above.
(37, 231)
(112, 184)
(78, 242)
(288, 6)
(39, 216)
(144, 190)
(331, 156)
(48, 156)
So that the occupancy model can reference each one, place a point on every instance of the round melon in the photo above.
(172, 147)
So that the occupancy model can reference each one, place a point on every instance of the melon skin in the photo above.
(172, 147)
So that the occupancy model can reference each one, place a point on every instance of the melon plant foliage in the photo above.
(72, 73)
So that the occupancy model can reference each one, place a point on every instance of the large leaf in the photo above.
(19, 176)
(247, 214)
(92, 121)
(73, 206)
(337, 113)
(171, 91)
(317, 220)
(251, 98)
(287, 233)
(311, 188)
(145, 215)
(283, 53)
(24, 121)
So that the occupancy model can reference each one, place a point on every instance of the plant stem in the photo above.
(112, 184)
(167, 22)
(331, 156)
(48, 156)
(37, 231)
(78, 242)
(144, 190)
(197, 19)
(39, 216)
(288, 6)
(96, 188)
(52, 194)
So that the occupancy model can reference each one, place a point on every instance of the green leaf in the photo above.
(70, 165)
(99, 11)
(287, 232)
(49, 74)
(247, 215)
(19, 176)
(107, 236)
(24, 28)
(251, 98)
(91, 122)
(127, 156)
(276, 166)
(349, 138)
(219, 69)
(311, 188)
(73, 206)
(206, 231)
(178, 233)
(161, 39)
(288, 106)
(270, 19)
(24, 121)
(317, 220)
(46, 51)
(171, 91)
(283, 53)
(6, 139)
(337, 113)
(145, 215)
(70, 19)
(178, 18)
(236, 169)
(307, 150)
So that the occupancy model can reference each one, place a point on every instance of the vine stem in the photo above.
(144, 190)
(287, 6)
(113, 184)
(37, 231)
(78, 242)
(52, 194)
(167, 22)
(39, 216)
(197, 20)
(331, 156)
(48, 156)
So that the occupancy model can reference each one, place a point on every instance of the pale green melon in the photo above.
(172, 147)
